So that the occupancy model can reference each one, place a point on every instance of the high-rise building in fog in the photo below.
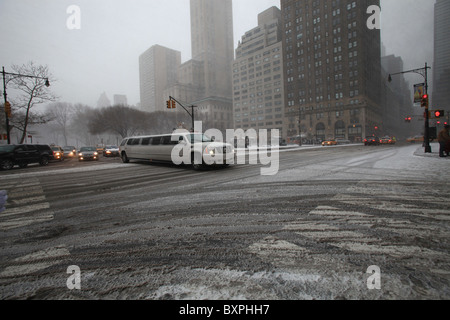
(205, 80)
(441, 70)
(103, 101)
(212, 43)
(158, 70)
(258, 86)
(396, 100)
(213, 53)
(332, 69)
(120, 100)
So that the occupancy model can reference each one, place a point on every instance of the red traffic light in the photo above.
(425, 96)
(438, 114)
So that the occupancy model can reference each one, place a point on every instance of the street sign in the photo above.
(419, 91)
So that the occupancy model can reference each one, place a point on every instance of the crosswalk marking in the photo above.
(36, 261)
(379, 227)
(26, 205)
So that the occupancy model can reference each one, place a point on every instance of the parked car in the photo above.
(58, 153)
(111, 151)
(70, 151)
(372, 141)
(331, 142)
(88, 153)
(23, 155)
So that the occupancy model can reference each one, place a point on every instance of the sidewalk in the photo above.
(420, 152)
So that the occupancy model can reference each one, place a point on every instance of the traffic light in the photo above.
(438, 114)
(171, 104)
(408, 119)
(8, 109)
(425, 101)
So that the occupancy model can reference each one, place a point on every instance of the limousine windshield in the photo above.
(197, 137)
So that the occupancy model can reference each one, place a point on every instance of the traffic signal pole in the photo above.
(424, 73)
(7, 104)
(191, 114)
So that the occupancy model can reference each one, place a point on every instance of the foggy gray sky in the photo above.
(103, 55)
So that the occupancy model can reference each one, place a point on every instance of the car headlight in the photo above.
(95, 153)
(210, 151)
(80, 154)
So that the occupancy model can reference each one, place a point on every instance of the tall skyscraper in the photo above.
(205, 81)
(332, 69)
(212, 44)
(158, 70)
(441, 69)
(258, 86)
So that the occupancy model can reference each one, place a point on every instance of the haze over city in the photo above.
(102, 56)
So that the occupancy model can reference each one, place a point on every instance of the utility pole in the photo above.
(425, 99)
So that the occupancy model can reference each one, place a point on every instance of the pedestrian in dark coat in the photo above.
(444, 141)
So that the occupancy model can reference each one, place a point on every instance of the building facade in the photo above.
(258, 86)
(158, 70)
(332, 65)
(441, 70)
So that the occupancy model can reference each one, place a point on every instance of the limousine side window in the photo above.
(167, 140)
(146, 141)
(156, 141)
(135, 142)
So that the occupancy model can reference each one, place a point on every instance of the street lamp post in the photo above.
(424, 73)
(5, 96)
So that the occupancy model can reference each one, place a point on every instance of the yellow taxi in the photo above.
(331, 142)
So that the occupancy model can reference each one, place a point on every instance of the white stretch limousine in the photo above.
(195, 149)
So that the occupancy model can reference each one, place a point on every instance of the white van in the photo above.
(195, 149)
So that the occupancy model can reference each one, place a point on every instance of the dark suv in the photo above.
(24, 154)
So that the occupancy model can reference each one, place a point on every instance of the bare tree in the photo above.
(60, 113)
(32, 91)
(82, 115)
(122, 120)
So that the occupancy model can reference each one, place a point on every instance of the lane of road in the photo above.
(157, 231)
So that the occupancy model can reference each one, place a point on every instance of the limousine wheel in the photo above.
(125, 158)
